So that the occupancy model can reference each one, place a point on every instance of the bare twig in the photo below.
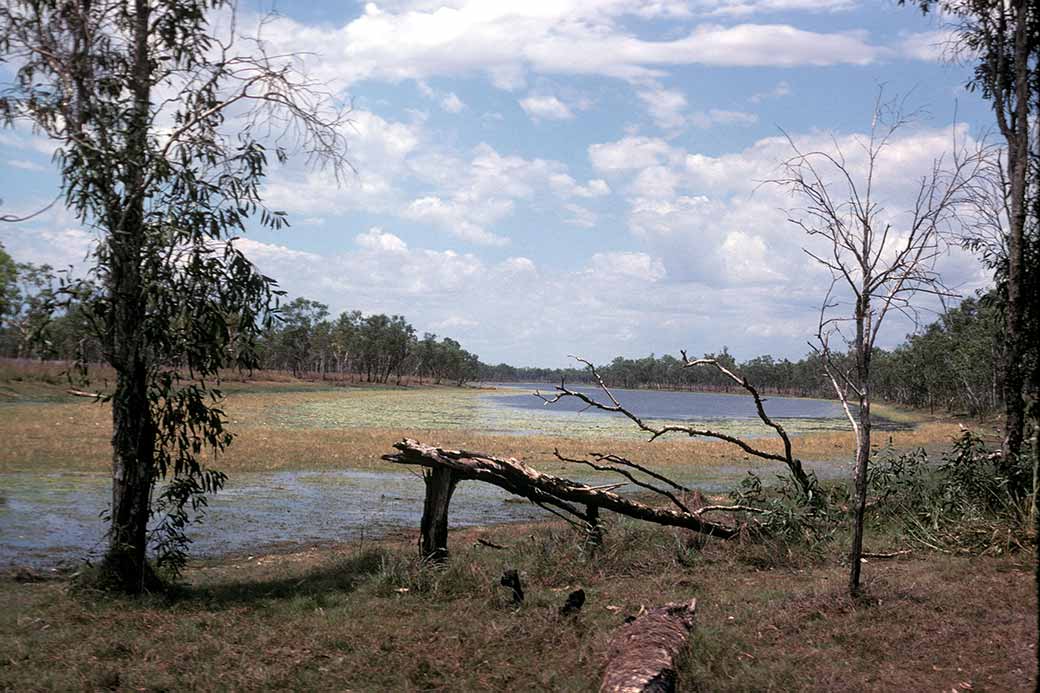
(805, 482)
(628, 475)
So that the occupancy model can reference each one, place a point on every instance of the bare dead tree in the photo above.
(883, 262)
(806, 482)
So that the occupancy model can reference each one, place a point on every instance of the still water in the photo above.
(674, 406)
(50, 519)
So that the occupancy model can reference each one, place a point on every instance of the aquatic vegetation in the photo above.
(478, 411)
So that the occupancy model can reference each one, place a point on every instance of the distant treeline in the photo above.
(954, 363)
(374, 348)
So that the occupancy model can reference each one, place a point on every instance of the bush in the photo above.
(963, 504)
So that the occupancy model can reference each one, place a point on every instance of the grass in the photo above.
(371, 618)
(295, 425)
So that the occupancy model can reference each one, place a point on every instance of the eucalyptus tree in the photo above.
(8, 282)
(1002, 39)
(162, 114)
(27, 309)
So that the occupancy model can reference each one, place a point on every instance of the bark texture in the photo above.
(433, 539)
(641, 654)
(1017, 134)
(133, 438)
(559, 495)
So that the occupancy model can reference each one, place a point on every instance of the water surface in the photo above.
(50, 518)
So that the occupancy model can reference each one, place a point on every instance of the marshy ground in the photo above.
(365, 615)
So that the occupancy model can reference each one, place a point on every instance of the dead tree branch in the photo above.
(628, 475)
(521, 480)
(805, 482)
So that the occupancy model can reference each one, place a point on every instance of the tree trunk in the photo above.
(544, 489)
(863, 354)
(595, 535)
(133, 438)
(862, 460)
(1018, 164)
(433, 539)
(133, 447)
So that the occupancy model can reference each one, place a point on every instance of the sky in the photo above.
(539, 179)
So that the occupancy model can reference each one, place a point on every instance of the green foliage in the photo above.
(27, 294)
(963, 504)
(168, 184)
(8, 281)
(375, 347)
(789, 519)
(955, 363)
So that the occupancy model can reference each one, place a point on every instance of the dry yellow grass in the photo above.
(75, 435)
(371, 618)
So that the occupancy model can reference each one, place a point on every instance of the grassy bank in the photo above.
(296, 425)
(371, 618)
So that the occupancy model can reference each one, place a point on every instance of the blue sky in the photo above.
(540, 179)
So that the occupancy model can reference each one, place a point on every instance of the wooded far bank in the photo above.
(956, 363)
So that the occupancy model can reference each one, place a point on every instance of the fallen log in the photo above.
(641, 654)
(546, 490)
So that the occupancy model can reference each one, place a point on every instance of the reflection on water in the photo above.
(677, 406)
(48, 519)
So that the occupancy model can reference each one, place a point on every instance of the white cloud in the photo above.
(665, 106)
(740, 8)
(633, 152)
(404, 171)
(929, 46)
(712, 221)
(60, 247)
(455, 217)
(452, 103)
(517, 265)
(565, 186)
(454, 323)
(546, 108)
(25, 165)
(580, 216)
(668, 109)
(19, 138)
(506, 311)
(716, 116)
(782, 89)
(376, 239)
(507, 41)
(630, 265)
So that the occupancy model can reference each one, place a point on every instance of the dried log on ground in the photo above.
(549, 491)
(641, 654)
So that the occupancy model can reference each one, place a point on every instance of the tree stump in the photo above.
(641, 654)
(595, 531)
(433, 539)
